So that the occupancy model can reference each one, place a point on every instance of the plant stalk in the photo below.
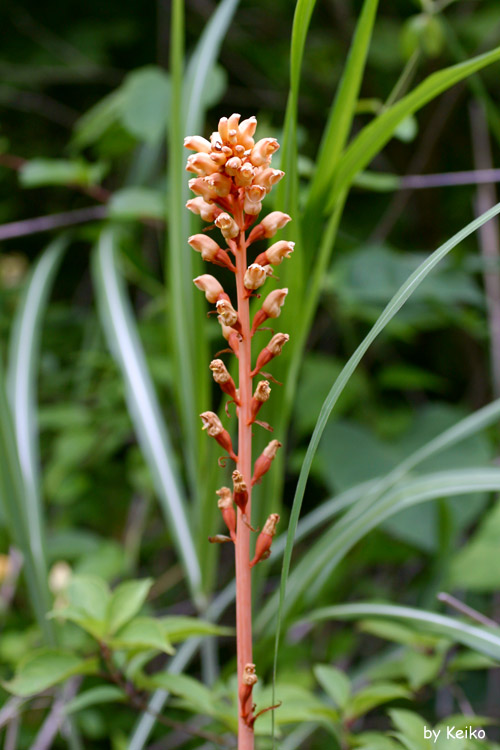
(242, 552)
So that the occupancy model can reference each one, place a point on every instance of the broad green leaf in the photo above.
(398, 633)
(123, 339)
(96, 121)
(142, 633)
(411, 728)
(47, 667)
(95, 697)
(374, 136)
(472, 568)
(137, 203)
(90, 595)
(199, 696)
(40, 172)
(484, 640)
(126, 601)
(370, 697)
(335, 683)
(145, 103)
(179, 627)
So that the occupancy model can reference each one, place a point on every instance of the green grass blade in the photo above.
(12, 497)
(317, 564)
(398, 300)
(22, 373)
(342, 113)
(375, 135)
(483, 640)
(123, 339)
(202, 62)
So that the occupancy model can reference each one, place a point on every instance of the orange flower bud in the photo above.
(248, 127)
(200, 186)
(240, 491)
(263, 150)
(201, 164)
(223, 378)
(223, 129)
(218, 157)
(271, 308)
(273, 349)
(207, 211)
(233, 121)
(268, 178)
(227, 226)
(210, 251)
(220, 184)
(261, 395)
(265, 539)
(214, 428)
(197, 143)
(264, 461)
(232, 165)
(255, 276)
(269, 226)
(244, 175)
(212, 288)
(276, 253)
(225, 503)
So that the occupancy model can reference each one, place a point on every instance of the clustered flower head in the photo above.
(232, 174)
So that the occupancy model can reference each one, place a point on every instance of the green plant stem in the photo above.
(242, 556)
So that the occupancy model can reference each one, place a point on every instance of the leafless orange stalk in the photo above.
(233, 176)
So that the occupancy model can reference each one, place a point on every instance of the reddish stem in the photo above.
(242, 551)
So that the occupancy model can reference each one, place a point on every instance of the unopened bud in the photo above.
(212, 288)
(240, 490)
(244, 175)
(274, 302)
(197, 143)
(59, 577)
(261, 395)
(271, 308)
(232, 165)
(276, 253)
(255, 276)
(248, 127)
(201, 164)
(227, 226)
(273, 349)
(210, 250)
(231, 337)
(248, 680)
(214, 428)
(220, 539)
(263, 150)
(207, 211)
(220, 183)
(264, 461)
(265, 539)
(223, 129)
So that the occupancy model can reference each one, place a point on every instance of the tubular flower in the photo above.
(214, 428)
(240, 491)
(232, 175)
(212, 288)
(255, 276)
(273, 349)
(276, 253)
(271, 307)
(225, 504)
(261, 395)
(265, 539)
(210, 251)
(264, 461)
(223, 378)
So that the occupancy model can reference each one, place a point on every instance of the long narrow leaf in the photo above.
(124, 343)
(398, 300)
(483, 640)
(375, 135)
